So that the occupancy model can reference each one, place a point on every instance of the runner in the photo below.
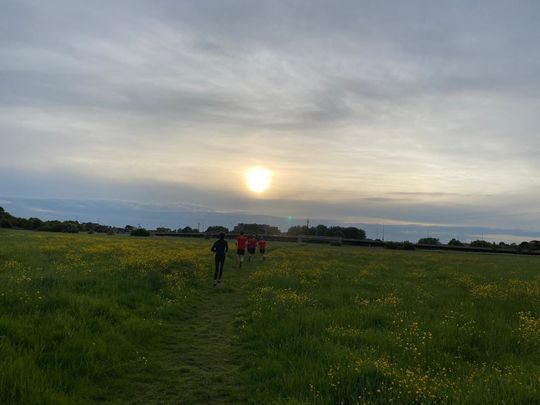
(241, 241)
(221, 247)
(251, 245)
(262, 247)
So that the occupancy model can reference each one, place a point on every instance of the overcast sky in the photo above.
(365, 111)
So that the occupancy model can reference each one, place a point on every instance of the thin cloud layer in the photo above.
(413, 111)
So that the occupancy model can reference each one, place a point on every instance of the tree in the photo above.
(335, 231)
(70, 227)
(255, 229)
(481, 244)
(455, 242)
(298, 230)
(35, 223)
(321, 230)
(51, 226)
(9, 221)
(531, 246)
(429, 241)
(352, 232)
(217, 229)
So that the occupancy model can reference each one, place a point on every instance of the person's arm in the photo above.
(226, 247)
(213, 249)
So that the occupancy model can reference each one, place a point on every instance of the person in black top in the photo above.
(221, 247)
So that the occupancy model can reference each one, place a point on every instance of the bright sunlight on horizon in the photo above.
(258, 179)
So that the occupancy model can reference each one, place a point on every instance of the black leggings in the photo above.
(220, 262)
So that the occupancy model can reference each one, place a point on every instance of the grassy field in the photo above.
(111, 319)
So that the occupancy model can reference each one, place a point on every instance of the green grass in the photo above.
(78, 312)
(110, 319)
(345, 325)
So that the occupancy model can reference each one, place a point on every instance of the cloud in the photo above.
(415, 112)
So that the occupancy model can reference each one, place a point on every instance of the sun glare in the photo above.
(258, 179)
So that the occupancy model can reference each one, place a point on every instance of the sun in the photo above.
(258, 179)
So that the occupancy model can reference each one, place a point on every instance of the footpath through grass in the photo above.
(196, 357)
(88, 318)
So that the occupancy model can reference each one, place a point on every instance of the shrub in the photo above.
(400, 245)
(140, 232)
(408, 246)
(391, 245)
(4, 223)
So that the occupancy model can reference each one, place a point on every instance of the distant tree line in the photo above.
(256, 229)
(9, 221)
(531, 246)
(349, 232)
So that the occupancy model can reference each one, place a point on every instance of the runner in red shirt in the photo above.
(251, 245)
(241, 241)
(262, 247)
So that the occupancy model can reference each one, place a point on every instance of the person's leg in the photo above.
(221, 264)
(216, 273)
(240, 257)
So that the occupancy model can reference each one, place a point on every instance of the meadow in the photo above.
(116, 319)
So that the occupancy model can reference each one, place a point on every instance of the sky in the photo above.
(414, 113)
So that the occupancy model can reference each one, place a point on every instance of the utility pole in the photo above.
(198, 226)
(383, 232)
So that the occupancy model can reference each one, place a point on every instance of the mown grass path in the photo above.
(196, 358)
